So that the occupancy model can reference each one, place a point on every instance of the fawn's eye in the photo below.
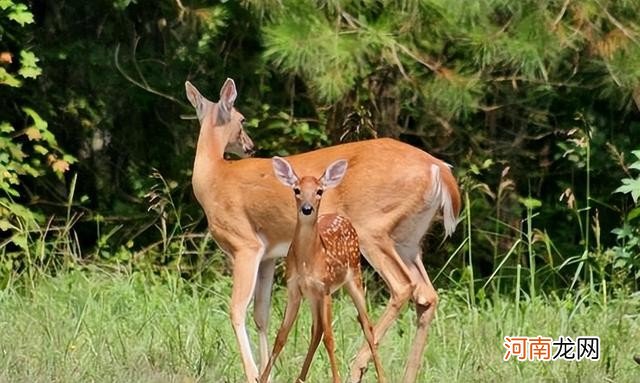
(296, 191)
(319, 192)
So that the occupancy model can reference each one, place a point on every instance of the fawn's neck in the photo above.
(306, 241)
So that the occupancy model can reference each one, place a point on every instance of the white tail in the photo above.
(250, 217)
(441, 193)
(324, 256)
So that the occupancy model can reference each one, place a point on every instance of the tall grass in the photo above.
(112, 327)
(524, 258)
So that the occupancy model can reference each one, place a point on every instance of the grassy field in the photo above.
(93, 326)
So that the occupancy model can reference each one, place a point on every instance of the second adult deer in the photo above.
(324, 256)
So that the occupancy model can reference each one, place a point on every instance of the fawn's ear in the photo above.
(228, 94)
(195, 98)
(334, 173)
(284, 172)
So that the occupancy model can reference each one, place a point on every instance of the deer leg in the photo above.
(328, 340)
(426, 300)
(245, 270)
(290, 314)
(316, 334)
(355, 290)
(383, 257)
(261, 306)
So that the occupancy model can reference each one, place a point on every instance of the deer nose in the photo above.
(306, 209)
(248, 147)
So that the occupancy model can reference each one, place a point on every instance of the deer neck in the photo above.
(209, 158)
(306, 242)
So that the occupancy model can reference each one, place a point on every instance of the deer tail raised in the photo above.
(447, 195)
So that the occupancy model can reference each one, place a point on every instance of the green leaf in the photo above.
(16, 152)
(620, 263)
(37, 120)
(69, 158)
(20, 240)
(7, 78)
(4, 4)
(11, 192)
(21, 14)
(6, 225)
(630, 186)
(5, 127)
(635, 165)
(29, 170)
(530, 203)
(30, 72)
(28, 58)
(634, 213)
(30, 68)
(40, 149)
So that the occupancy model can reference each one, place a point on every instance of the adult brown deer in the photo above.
(391, 195)
(324, 256)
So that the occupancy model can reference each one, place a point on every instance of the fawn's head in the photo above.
(222, 115)
(308, 190)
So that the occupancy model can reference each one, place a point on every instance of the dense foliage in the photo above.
(536, 104)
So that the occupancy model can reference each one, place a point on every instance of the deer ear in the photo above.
(195, 98)
(284, 172)
(334, 173)
(228, 94)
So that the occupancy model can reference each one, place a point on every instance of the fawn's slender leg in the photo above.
(316, 334)
(291, 312)
(354, 288)
(329, 343)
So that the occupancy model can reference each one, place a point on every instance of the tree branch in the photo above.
(144, 84)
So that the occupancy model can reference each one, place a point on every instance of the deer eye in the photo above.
(319, 192)
(296, 191)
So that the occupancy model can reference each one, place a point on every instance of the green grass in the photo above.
(93, 326)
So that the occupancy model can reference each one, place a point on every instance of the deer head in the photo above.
(222, 116)
(308, 190)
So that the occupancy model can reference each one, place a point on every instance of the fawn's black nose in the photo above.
(306, 209)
